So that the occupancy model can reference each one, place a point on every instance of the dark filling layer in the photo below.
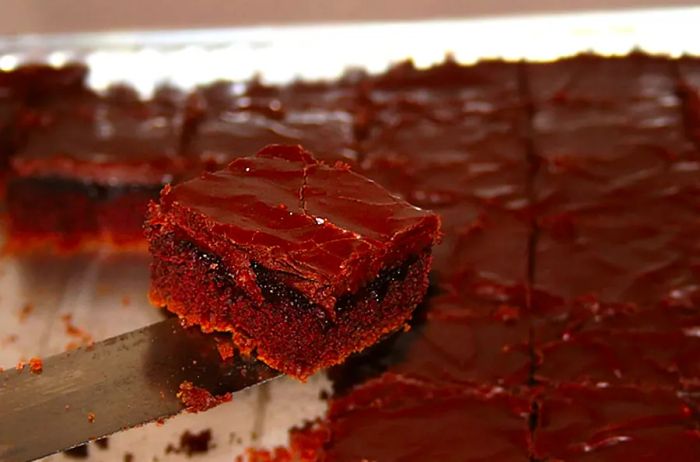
(276, 292)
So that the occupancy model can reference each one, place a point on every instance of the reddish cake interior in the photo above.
(97, 214)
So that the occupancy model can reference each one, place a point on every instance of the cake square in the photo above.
(88, 166)
(301, 261)
(487, 86)
(559, 320)
(596, 155)
(577, 422)
(663, 358)
(599, 79)
(618, 253)
(228, 122)
(455, 347)
(391, 418)
(434, 162)
(30, 84)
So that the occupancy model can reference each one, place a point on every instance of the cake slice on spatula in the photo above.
(302, 262)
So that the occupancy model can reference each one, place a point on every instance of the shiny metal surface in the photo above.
(123, 381)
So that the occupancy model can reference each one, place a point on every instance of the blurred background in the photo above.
(56, 16)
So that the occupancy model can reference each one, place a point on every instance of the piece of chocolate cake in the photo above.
(88, 167)
(303, 262)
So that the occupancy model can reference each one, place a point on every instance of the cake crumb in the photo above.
(102, 443)
(83, 338)
(192, 443)
(78, 452)
(128, 457)
(24, 313)
(126, 301)
(20, 365)
(225, 347)
(304, 445)
(198, 399)
(36, 365)
(279, 454)
(91, 417)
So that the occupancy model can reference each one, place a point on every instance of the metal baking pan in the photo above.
(106, 294)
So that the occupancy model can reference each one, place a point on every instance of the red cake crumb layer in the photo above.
(198, 399)
(227, 124)
(67, 216)
(191, 443)
(286, 331)
(36, 365)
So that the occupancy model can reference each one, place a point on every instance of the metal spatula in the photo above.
(115, 384)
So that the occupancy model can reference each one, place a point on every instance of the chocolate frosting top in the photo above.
(327, 228)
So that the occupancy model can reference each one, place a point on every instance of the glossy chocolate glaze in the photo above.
(596, 78)
(578, 422)
(227, 135)
(392, 419)
(614, 164)
(615, 300)
(456, 347)
(488, 168)
(491, 84)
(606, 356)
(229, 121)
(464, 158)
(619, 253)
(328, 229)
